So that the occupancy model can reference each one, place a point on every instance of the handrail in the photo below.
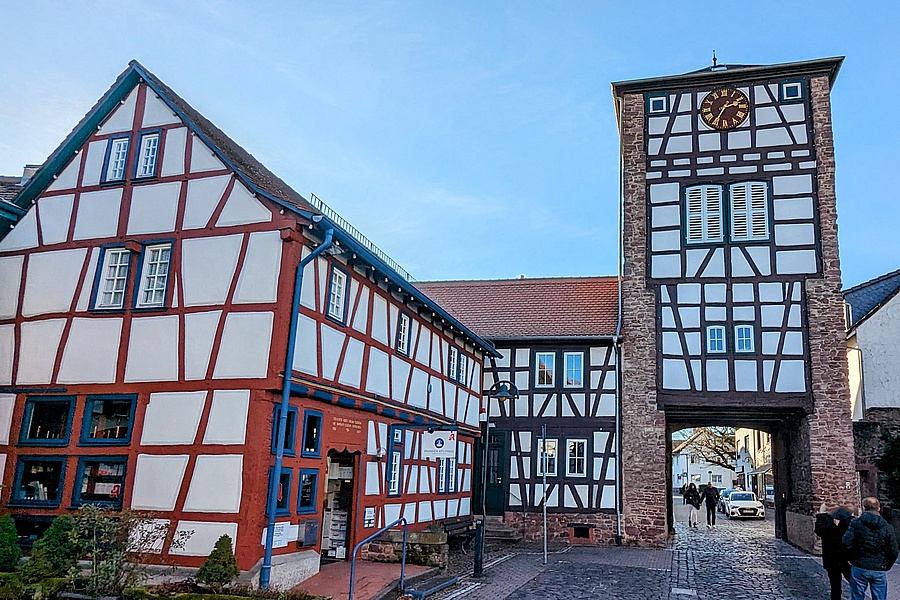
(372, 537)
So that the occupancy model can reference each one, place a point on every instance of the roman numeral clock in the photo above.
(724, 108)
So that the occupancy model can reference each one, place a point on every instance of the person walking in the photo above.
(872, 549)
(684, 489)
(711, 496)
(831, 528)
(692, 497)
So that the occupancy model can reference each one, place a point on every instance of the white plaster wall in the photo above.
(156, 112)
(258, 281)
(203, 196)
(7, 350)
(51, 281)
(199, 336)
(87, 285)
(93, 164)
(207, 266)
(244, 349)
(854, 363)
(153, 208)
(203, 158)
(227, 422)
(172, 418)
(205, 536)
(377, 377)
(242, 208)
(157, 481)
(37, 350)
(11, 276)
(7, 406)
(122, 118)
(877, 337)
(153, 349)
(55, 212)
(23, 235)
(332, 348)
(173, 157)
(351, 369)
(306, 355)
(92, 351)
(98, 214)
(216, 484)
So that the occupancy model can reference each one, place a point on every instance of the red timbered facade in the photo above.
(145, 317)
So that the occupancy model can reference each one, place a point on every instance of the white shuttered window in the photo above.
(704, 214)
(749, 211)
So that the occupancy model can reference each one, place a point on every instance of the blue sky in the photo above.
(467, 139)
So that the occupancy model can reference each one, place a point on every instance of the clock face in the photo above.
(724, 108)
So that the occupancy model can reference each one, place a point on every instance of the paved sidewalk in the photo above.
(738, 560)
(371, 578)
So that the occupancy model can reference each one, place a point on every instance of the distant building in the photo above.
(689, 465)
(753, 470)
(873, 356)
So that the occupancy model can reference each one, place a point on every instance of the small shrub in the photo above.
(221, 566)
(52, 587)
(54, 555)
(11, 587)
(9, 547)
(136, 593)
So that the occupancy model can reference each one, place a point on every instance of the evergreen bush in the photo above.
(54, 555)
(11, 587)
(221, 566)
(9, 547)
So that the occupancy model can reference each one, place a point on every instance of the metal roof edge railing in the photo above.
(344, 224)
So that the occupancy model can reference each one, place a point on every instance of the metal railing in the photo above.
(356, 234)
(372, 537)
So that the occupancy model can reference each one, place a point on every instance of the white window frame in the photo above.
(393, 487)
(337, 295)
(147, 155)
(664, 109)
(580, 357)
(738, 338)
(154, 276)
(463, 368)
(404, 324)
(552, 450)
(447, 476)
(788, 85)
(704, 221)
(749, 207)
(538, 369)
(710, 339)
(117, 159)
(583, 457)
(716, 478)
(113, 279)
(453, 363)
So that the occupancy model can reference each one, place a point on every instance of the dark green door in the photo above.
(495, 492)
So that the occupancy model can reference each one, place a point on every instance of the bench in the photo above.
(460, 531)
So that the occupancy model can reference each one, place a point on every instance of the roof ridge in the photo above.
(523, 279)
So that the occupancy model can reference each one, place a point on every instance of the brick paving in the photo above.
(738, 560)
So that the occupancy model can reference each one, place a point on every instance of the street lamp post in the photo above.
(502, 391)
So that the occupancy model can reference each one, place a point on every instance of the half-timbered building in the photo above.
(146, 326)
(557, 341)
(731, 309)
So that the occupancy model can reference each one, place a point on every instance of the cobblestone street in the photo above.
(738, 560)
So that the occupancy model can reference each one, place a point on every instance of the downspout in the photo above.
(617, 344)
(266, 570)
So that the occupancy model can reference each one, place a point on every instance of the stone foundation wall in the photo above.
(531, 526)
(870, 438)
(425, 548)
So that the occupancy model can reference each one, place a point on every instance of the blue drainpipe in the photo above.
(266, 570)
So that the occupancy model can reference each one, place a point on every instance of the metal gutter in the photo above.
(617, 345)
(266, 569)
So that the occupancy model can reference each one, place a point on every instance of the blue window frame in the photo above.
(47, 421)
(146, 160)
(100, 480)
(116, 159)
(111, 279)
(108, 420)
(38, 481)
(151, 290)
(743, 339)
(290, 431)
(283, 495)
(715, 339)
(312, 434)
(307, 491)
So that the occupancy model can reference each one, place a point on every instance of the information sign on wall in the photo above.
(439, 444)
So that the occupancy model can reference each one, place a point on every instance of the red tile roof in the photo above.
(528, 308)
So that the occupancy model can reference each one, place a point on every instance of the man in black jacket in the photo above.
(831, 528)
(872, 550)
(711, 496)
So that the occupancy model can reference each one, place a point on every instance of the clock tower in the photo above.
(732, 311)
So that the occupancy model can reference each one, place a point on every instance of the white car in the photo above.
(744, 505)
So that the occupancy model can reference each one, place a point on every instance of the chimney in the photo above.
(28, 173)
